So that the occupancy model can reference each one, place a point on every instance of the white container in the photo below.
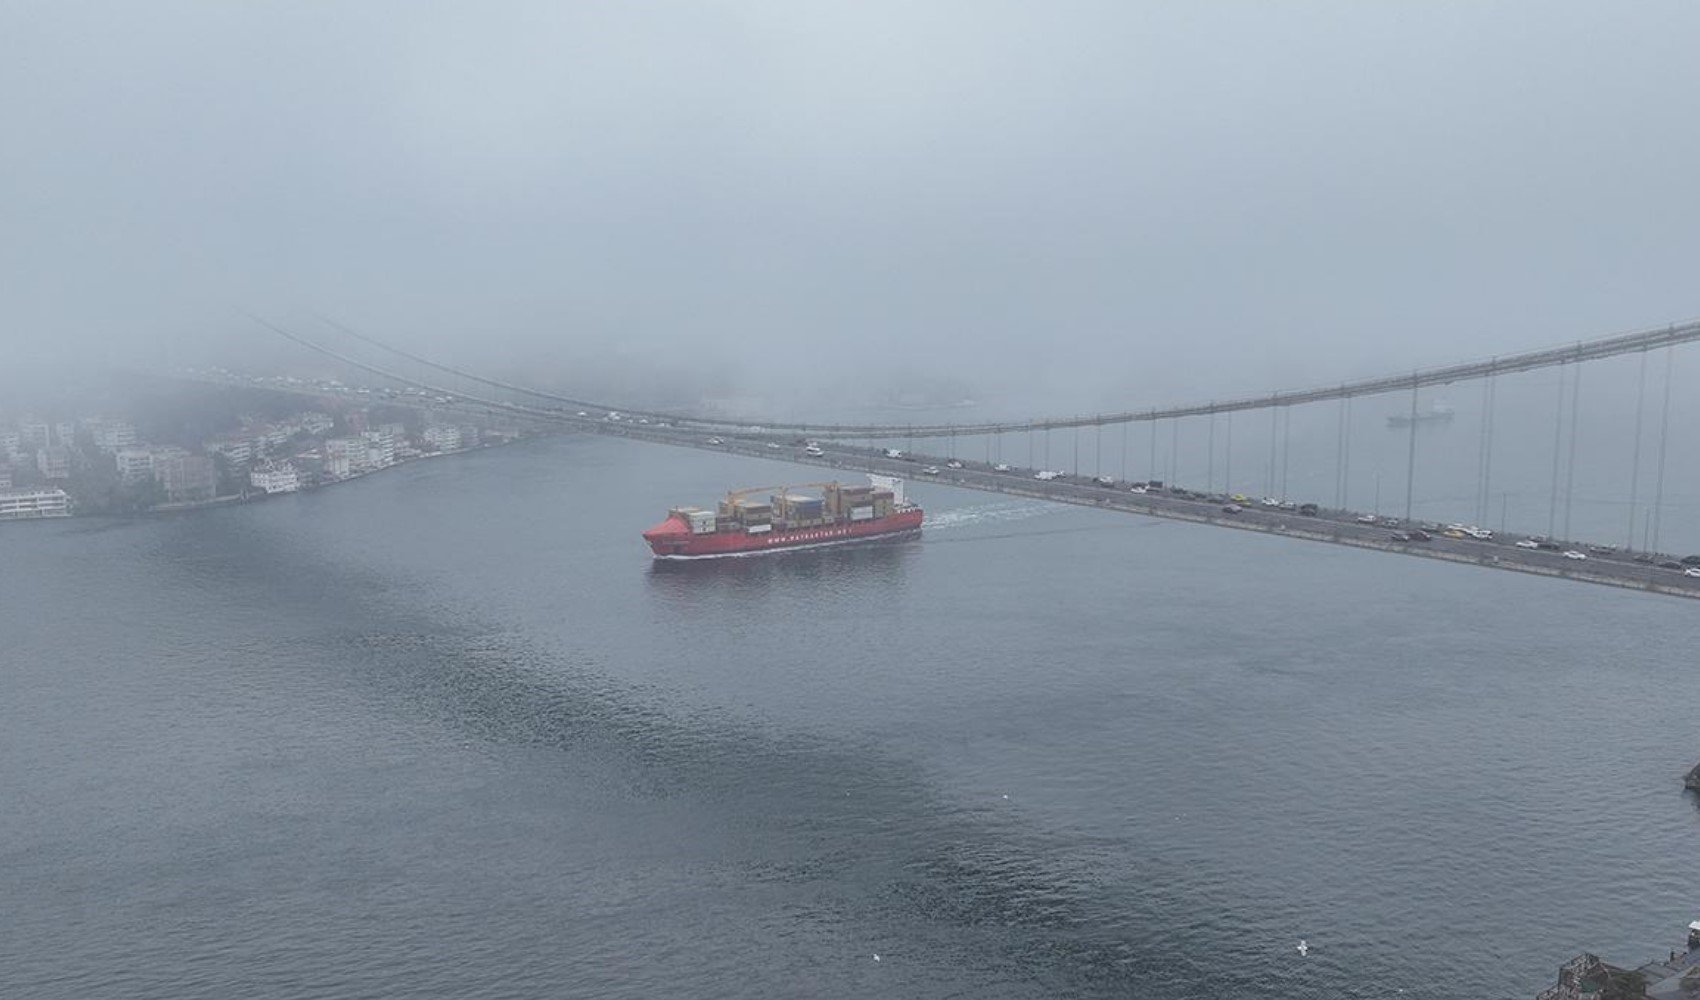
(861, 513)
(759, 529)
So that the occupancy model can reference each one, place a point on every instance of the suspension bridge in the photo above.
(1218, 497)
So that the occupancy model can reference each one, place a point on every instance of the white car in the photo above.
(813, 451)
(1000, 467)
(1136, 489)
(953, 464)
(1692, 571)
(774, 445)
(894, 453)
(1046, 476)
(1573, 554)
(1528, 543)
(1272, 502)
(1366, 518)
(931, 470)
(715, 441)
(583, 414)
(1105, 481)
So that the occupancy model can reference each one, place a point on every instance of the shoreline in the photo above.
(239, 499)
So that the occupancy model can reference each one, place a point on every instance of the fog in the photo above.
(1062, 206)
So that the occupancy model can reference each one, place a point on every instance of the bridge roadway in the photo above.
(1339, 527)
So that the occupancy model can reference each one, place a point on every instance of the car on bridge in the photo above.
(1000, 467)
(1573, 554)
(1528, 543)
(931, 470)
(1105, 481)
(1693, 571)
(715, 441)
(953, 464)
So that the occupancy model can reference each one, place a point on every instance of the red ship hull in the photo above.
(672, 538)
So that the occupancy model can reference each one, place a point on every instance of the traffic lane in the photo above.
(1343, 526)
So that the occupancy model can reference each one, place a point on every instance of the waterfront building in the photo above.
(33, 435)
(443, 438)
(187, 478)
(134, 464)
(5, 478)
(380, 448)
(34, 503)
(314, 422)
(54, 462)
(111, 435)
(11, 445)
(350, 455)
(65, 432)
(236, 450)
(275, 477)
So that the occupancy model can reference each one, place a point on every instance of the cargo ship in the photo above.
(789, 517)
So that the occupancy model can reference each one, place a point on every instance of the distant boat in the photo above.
(1436, 413)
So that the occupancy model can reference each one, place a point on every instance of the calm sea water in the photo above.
(447, 732)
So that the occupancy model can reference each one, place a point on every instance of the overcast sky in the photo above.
(1146, 201)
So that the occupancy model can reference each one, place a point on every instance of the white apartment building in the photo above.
(380, 448)
(275, 477)
(134, 464)
(54, 462)
(111, 435)
(443, 438)
(34, 435)
(35, 503)
(238, 451)
(349, 454)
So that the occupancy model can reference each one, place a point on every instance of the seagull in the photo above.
(1304, 948)
(876, 958)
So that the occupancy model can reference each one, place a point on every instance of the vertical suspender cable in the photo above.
(1174, 451)
(1487, 454)
(1274, 429)
(1411, 452)
(1346, 461)
(1228, 457)
(1339, 451)
(1152, 468)
(1659, 479)
(1210, 466)
(1635, 450)
(1557, 439)
(1570, 468)
(1286, 447)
